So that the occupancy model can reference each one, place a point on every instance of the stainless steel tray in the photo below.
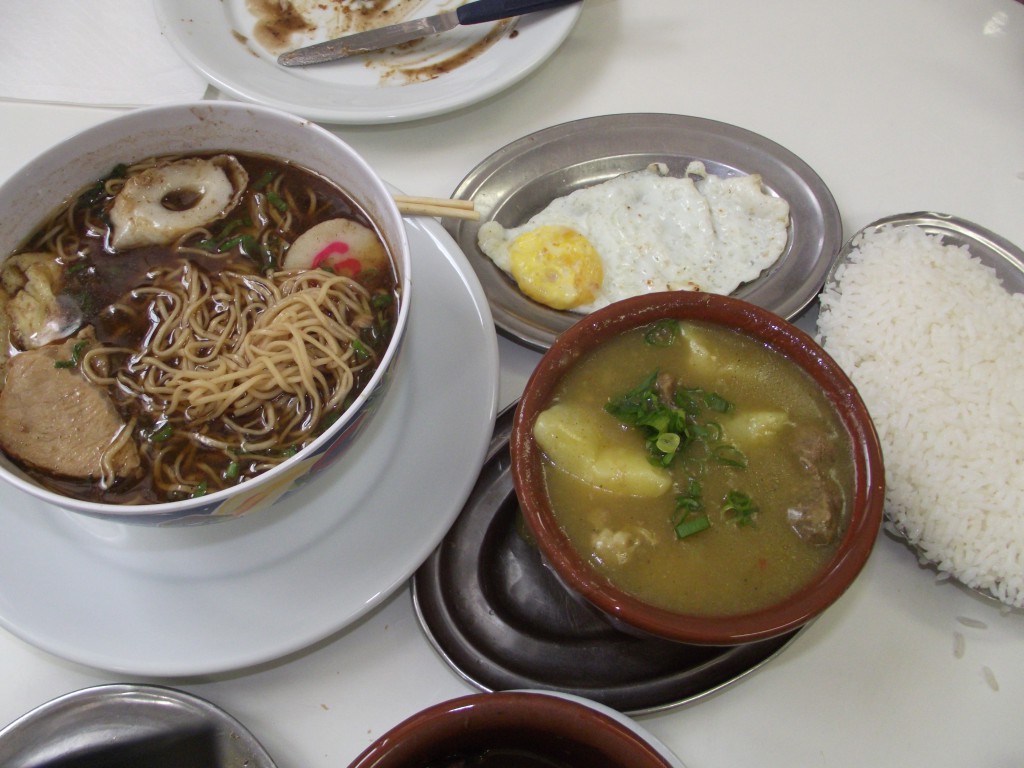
(502, 620)
(103, 715)
(991, 249)
(523, 177)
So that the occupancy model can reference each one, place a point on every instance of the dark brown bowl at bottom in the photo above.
(542, 730)
(785, 338)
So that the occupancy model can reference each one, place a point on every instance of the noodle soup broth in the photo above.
(214, 350)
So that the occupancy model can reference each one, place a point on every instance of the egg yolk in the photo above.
(556, 266)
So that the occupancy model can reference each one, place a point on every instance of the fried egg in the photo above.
(640, 232)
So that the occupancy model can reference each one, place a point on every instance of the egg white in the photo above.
(656, 232)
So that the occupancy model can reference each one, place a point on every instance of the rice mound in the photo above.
(935, 345)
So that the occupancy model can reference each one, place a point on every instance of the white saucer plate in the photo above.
(216, 39)
(211, 598)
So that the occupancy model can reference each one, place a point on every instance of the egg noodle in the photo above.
(266, 357)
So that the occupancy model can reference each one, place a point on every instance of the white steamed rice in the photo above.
(935, 345)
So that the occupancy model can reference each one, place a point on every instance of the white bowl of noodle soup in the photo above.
(204, 129)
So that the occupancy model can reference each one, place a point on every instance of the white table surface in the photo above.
(899, 106)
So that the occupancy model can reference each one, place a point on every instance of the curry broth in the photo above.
(731, 567)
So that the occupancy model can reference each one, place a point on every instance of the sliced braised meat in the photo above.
(814, 448)
(666, 387)
(54, 419)
(816, 518)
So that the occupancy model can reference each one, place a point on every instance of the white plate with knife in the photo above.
(235, 45)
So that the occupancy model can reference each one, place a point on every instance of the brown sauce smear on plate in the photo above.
(283, 26)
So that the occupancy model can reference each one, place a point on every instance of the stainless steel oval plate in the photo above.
(103, 715)
(502, 620)
(989, 248)
(521, 178)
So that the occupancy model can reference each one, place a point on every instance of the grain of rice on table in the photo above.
(935, 345)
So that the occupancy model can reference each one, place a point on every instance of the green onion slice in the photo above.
(162, 434)
(691, 525)
(667, 442)
(264, 180)
(76, 355)
(729, 455)
(741, 507)
(277, 201)
(662, 333)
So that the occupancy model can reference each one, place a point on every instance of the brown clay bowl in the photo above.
(540, 728)
(626, 610)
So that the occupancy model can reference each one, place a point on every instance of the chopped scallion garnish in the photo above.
(361, 349)
(230, 228)
(729, 455)
(674, 422)
(691, 525)
(381, 300)
(264, 180)
(739, 508)
(162, 434)
(690, 505)
(231, 242)
(662, 333)
(76, 355)
(716, 402)
(667, 442)
(669, 427)
(277, 201)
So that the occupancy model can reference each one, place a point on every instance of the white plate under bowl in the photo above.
(200, 600)
(521, 178)
(215, 38)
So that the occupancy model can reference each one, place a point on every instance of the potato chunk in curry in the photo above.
(572, 440)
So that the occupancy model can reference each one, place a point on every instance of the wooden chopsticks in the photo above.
(436, 206)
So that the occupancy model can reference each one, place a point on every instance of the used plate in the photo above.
(523, 177)
(216, 38)
(200, 600)
(79, 722)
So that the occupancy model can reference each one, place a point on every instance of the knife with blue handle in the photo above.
(395, 34)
